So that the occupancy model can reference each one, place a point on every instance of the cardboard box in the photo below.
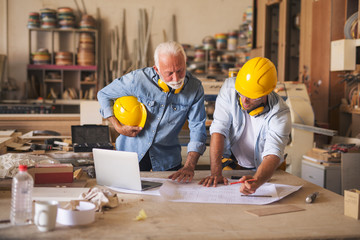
(52, 173)
(343, 55)
(350, 168)
(352, 203)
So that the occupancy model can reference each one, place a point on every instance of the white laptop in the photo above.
(119, 169)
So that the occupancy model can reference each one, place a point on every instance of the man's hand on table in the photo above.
(184, 174)
(214, 180)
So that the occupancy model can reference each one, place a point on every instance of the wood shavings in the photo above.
(78, 173)
(141, 216)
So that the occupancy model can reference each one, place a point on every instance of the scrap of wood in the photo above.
(165, 39)
(148, 31)
(42, 137)
(23, 148)
(67, 148)
(14, 144)
(100, 53)
(37, 152)
(121, 47)
(174, 29)
(78, 9)
(78, 173)
(6, 133)
(5, 140)
(265, 211)
(83, 4)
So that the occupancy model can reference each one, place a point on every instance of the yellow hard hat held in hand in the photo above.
(129, 111)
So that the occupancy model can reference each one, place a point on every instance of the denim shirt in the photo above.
(166, 115)
(271, 135)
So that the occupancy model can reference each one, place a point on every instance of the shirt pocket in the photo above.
(177, 113)
(149, 104)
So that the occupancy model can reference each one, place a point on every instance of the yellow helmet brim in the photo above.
(144, 115)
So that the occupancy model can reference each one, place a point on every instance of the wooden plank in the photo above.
(26, 123)
(42, 137)
(5, 140)
(260, 212)
(358, 31)
(320, 59)
(283, 21)
(336, 89)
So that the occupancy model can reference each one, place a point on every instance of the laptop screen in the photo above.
(119, 169)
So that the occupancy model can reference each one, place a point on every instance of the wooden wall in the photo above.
(321, 22)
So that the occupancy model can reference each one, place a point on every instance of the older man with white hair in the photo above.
(171, 96)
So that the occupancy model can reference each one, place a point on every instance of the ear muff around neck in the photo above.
(166, 88)
(257, 111)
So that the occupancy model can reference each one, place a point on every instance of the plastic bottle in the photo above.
(21, 197)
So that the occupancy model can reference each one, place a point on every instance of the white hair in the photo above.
(170, 48)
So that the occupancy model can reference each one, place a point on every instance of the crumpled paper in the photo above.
(101, 198)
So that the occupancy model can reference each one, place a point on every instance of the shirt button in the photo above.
(174, 108)
(153, 131)
(162, 105)
(158, 118)
(149, 143)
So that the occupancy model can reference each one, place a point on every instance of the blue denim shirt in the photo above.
(271, 136)
(166, 115)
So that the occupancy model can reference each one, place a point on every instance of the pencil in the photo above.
(256, 195)
(250, 180)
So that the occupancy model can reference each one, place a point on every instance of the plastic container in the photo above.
(21, 197)
(84, 214)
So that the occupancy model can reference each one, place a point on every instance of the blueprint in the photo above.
(224, 194)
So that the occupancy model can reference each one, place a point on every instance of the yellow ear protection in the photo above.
(166, 88)
(257, 111)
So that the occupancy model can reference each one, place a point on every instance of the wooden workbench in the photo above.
(322, 219)
(28, 122)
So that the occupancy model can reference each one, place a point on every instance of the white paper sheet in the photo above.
(225, 194)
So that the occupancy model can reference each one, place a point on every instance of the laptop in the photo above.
(119, 169)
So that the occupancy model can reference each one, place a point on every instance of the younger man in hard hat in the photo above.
(252, 123)
(171, 95)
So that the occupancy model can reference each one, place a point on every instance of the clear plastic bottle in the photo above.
(21, 197)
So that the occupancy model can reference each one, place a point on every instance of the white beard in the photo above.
(176, 85)
(173, 85)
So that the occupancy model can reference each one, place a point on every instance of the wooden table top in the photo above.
(323, 219)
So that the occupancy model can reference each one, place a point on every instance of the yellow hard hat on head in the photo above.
(129, 111)
(256, 78)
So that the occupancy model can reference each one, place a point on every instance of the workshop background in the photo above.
(56, 55)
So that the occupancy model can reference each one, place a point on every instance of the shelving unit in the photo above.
(206, 62)
(51, 81)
